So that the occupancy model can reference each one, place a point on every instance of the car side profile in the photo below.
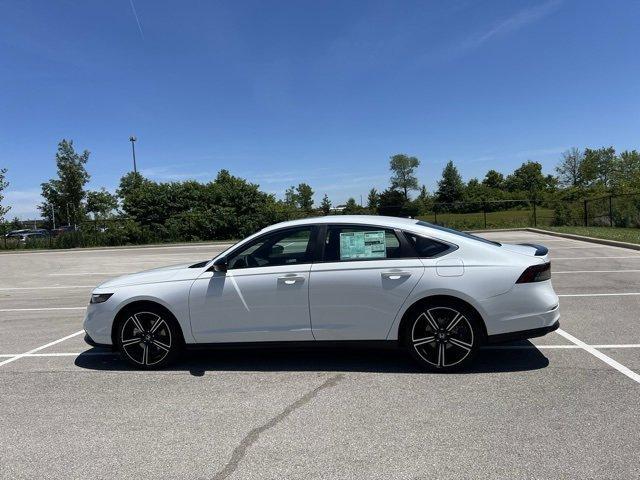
(436, 292)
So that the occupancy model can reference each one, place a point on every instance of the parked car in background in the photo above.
(16, 233)
(64, 229)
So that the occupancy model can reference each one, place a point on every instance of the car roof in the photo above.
(392, 222)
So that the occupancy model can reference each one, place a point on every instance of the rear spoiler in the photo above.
(541, 250)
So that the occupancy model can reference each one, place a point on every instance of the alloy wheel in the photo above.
(442, 336)
(145, 338)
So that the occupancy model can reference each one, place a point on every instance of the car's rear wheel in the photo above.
(148, 338)
(443, 336)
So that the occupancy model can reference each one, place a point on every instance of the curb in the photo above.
(601, 241)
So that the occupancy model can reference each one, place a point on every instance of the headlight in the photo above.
(100, 297)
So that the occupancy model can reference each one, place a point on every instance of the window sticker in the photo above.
(369, 244)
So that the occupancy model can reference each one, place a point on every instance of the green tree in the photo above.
(351, 207)
(66, 192)
(627, 175)
(569, 168)
(304, 196)
(451, 187)
(423, 201)
(325, 205)
(101, 203)
(3, 185)
(493, 179)
(372, 200)
(599, 166)
(402, 167)
(291, 197)
(391, 202)
(528, 178)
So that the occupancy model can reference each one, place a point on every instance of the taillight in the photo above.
(536, 273)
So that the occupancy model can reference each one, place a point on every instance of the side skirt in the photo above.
(296, 345)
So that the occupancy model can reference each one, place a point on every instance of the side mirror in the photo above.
(220, 265)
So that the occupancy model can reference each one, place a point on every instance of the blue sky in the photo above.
(317, 91)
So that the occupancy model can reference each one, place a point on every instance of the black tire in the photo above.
(148, 337)
(443, 335)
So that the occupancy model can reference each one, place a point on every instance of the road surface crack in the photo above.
(252, 437)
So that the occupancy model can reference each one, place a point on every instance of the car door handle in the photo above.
(395, 275)
(291, 279)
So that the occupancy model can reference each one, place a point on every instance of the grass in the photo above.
(631, 235)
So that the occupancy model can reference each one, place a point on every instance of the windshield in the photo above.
(459, 233)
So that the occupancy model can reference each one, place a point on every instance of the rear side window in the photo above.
(426, 247)
(343, 244)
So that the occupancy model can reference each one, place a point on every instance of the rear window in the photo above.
(426, 247)
(459, 233)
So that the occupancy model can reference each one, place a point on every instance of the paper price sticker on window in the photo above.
(354, 245)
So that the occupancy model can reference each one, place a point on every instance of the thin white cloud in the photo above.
(168, 173)
(23, 203)
(511, 24)
(135, 14)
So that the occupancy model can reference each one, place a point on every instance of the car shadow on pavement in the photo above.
(333, 359)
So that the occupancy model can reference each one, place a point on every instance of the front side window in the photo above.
(286, 247)
(360, 243)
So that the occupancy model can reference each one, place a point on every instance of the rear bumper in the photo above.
(523, 334)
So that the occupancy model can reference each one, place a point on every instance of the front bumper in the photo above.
(523, 334)
(93, 343)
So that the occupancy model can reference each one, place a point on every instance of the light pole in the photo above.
(133, 139)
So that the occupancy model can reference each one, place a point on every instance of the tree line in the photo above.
(142, 210)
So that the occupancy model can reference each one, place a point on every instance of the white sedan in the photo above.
(436, 292)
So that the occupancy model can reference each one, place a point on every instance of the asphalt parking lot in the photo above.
(561, 406)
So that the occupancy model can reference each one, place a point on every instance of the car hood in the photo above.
(156, 275)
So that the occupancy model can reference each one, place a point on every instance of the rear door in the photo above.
(364, 276)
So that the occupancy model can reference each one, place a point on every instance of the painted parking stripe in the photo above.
(63, 354)
(593, 258)
(598, 354)
(622, 294)
(75, 251)
(487, 347)
(593, 271)
(57, 287)
(87, 273)
(13, 359)
(40, 309)
(551, 347)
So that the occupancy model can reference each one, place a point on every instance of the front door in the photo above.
(364, 277)
(263, 296)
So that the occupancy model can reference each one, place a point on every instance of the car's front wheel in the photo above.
(148, 338)
(443, 336)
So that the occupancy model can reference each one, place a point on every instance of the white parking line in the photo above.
(624, 294)
(64, 354)
(87, 273)
(592, 258)
(13, 359)
(75, 251)
(5, 289)
(585, 246)
(593, 271)
(598, 354)
(40, 309)
(544, 347)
